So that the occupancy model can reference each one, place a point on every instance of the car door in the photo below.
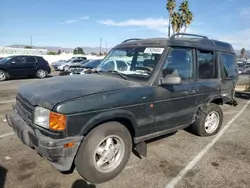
(229, 74)
(17, 67)
(174, 105)
(31, 65)
(207, 84)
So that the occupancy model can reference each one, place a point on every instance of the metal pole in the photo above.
(106, 47)
(31, 41)
(169, 27)
(100, 45)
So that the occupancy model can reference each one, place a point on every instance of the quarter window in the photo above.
(228, 65)
(180, 63)
(206, 64)
(30, 60)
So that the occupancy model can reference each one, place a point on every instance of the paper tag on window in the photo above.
(154, 50)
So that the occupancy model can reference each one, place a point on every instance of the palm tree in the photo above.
(242, 52)
(171, 5)
(181, 18)
(188, 20)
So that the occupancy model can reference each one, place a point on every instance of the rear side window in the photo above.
(30, 59)
(206, 64)
(228, 65)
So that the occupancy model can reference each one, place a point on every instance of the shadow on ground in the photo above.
(82, 184)
(3, 173)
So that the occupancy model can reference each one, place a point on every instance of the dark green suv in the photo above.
(94, 121)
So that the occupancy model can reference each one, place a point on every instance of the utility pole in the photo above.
(31, 41)
(100, 45)
(106, 47)
(169, 28)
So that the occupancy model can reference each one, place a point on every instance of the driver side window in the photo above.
(179, 62)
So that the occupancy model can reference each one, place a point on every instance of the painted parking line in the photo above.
(5, 102)
(193, 162)
(6, 135)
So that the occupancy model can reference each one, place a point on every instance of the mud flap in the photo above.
(141, 148)
(230, 101)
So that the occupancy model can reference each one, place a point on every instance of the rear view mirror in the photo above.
(170, 80)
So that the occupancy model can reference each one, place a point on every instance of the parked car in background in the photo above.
(243, 85)
(57, 63)
(85, 68)
(66, 64)
(22, 66)
(118, 65)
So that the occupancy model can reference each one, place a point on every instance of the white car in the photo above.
(65, 66)
(114, 65)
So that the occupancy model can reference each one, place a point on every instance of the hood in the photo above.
(51, 91)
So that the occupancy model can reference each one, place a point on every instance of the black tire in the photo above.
(85, 161)
(199, 128)
(41, 73)
(3, 75)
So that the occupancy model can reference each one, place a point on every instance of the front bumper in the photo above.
(54, 150)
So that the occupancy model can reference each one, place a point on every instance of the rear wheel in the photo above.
(104, 152)
(3, 75)
(41, 73)
(208, 121)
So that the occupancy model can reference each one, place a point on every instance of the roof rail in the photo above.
(131, 40)
(188, 34)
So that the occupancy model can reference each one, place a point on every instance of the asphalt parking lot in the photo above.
(180, 160)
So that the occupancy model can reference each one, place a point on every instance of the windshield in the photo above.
(92, 63)
(136, 62)
(68, 61)
(4, 60)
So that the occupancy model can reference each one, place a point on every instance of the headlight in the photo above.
(49, 120)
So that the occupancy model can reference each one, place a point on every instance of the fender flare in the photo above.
(110, 115)
(206, 103)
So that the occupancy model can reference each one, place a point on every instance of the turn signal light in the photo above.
(57, 121)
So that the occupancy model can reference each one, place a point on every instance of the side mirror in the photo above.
(170, 80)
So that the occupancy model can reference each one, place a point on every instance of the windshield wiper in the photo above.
(119, 74)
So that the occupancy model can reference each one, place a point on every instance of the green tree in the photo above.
(170, 6)
(78, 50)
(28, 47)
(242, 52)
(51, 53)
(186, 15)
(180, 18)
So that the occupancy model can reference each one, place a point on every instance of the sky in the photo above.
(73, 23)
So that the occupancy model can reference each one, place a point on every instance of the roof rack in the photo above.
(188, 34)
(131, 40)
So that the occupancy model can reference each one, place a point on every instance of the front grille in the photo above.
(24, 109)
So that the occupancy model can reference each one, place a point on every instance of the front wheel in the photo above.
(104, 152)
(208, 121)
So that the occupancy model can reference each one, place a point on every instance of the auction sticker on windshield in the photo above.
(154, 50)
